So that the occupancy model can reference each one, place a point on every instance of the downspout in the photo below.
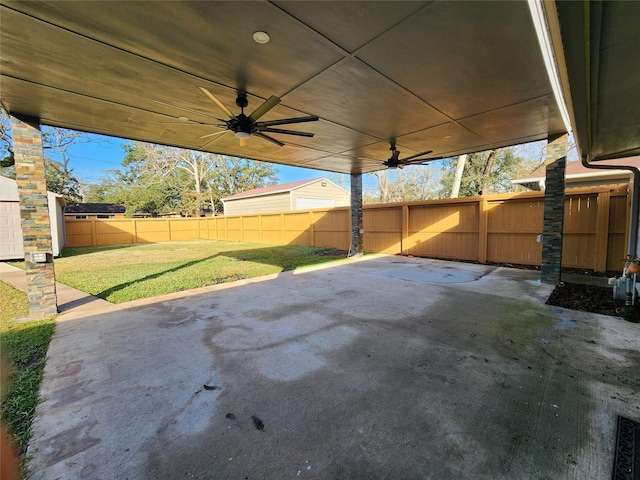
(635, 201)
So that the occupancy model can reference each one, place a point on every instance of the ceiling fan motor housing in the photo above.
(242, 101)
(242, 123)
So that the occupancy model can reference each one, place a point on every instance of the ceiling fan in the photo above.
(396, 162)
(244, 126)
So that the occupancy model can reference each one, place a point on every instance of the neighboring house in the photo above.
(94, 210)
(302, 195)
(577, 175)
(11, 242)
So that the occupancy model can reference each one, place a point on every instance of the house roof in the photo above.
(272, 189)
(94, 208)
(576, 170)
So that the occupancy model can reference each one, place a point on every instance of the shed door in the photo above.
(305, 203)
(11, 245)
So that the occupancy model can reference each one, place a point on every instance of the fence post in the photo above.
(283, 229)
(404, 234)
(312, 231)
(94, 236)
(483, 220)
(602, 232)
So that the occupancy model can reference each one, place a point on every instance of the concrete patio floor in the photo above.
(381, 368)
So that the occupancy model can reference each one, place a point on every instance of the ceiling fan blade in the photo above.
(270, 139)
(423, 161)
(287, 121)
(267, 105)
(287, 132)
(186, 122)
(417, 155)
(213, 138)
(187, 110)
(214, 134)
(213, 98)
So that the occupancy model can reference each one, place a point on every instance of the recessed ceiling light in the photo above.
(447, 137)
(261, 37)
(183, 119)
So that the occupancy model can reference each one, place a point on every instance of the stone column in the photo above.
(553, 210)
(357, 231)
(34, 214)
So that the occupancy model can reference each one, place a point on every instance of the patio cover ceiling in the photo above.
(451, 77)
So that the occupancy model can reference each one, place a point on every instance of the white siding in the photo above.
(303, 203)
(11, 245)
(276, 202)
(10, 226)
(316, 190)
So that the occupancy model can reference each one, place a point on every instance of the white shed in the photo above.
(301, 195)
(11, 243)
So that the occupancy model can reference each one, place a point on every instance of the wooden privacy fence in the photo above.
(496, 228)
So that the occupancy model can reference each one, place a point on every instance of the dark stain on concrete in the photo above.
(71, 394)
(69, 369)
(257, 423)
(70, 442)
(278, 313)
(173, 322)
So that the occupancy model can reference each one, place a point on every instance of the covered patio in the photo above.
(379, 368)
(430, 79)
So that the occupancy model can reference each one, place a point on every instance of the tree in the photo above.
(56, 143)
(414, 182)
(59, 180)
(161, 179)
(484, 172)
(457, 176)
(59, 175)
(6, 146)
(234, 175)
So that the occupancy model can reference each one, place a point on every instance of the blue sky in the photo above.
(90, 160)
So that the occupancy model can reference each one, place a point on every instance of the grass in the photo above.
(125, 273)
(24, 350)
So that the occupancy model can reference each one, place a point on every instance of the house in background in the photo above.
(302, 195)
(577, 175)
(11, 241)
(94, 210)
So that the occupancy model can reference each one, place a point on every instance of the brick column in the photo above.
(34, 214)
(553, 210)
(357, 232)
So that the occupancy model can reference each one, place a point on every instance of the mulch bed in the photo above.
(593, 299)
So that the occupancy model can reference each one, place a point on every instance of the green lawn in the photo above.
(125, 273)
(24, 350)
